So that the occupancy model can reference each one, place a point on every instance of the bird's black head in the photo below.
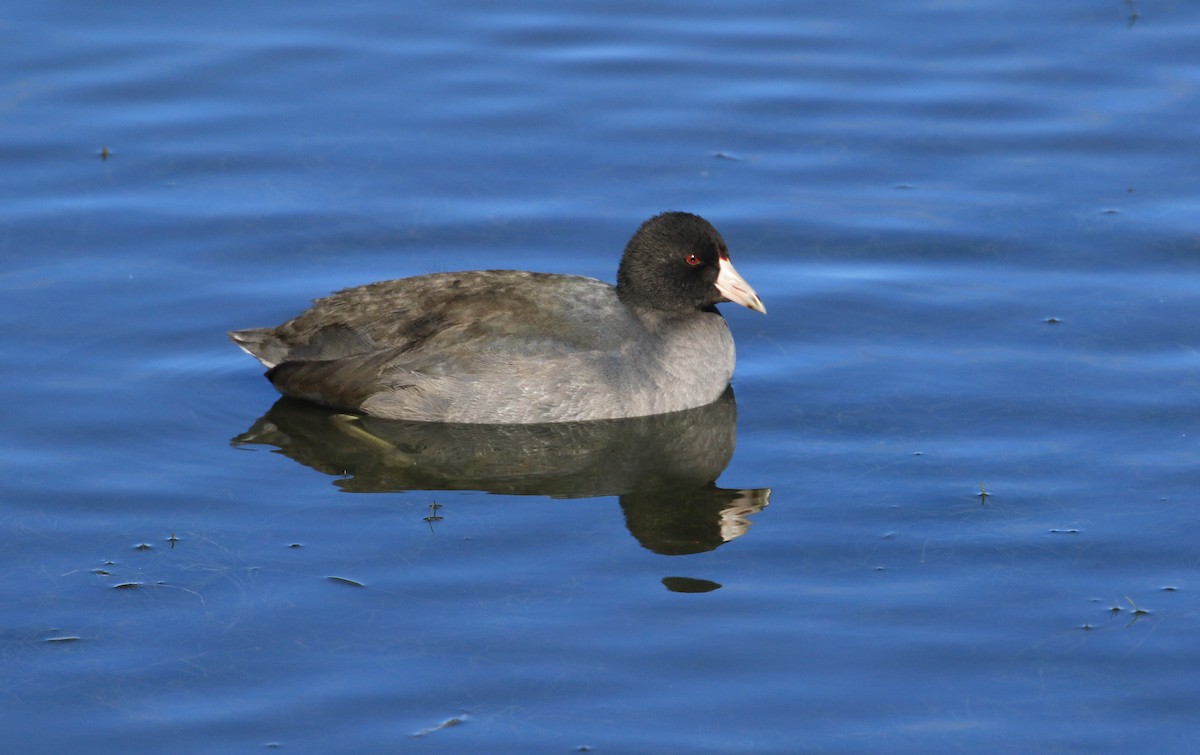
(678, 262)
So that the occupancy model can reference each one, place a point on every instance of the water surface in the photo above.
(952, 505)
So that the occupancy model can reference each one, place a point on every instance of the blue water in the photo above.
(961, 513)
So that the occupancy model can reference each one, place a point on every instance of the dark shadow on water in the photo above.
(663, 468)
(689, 584)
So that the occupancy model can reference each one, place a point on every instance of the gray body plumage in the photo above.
(495, 346)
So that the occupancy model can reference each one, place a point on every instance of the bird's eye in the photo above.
(693, 259)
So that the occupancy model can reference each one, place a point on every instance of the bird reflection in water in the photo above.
(663, 468)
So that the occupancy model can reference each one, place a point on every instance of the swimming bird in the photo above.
(515, 347)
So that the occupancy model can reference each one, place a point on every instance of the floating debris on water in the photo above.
(443, 725)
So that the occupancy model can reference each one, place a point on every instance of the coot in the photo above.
(513, 347)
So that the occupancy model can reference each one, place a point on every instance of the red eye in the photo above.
(693, 259)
